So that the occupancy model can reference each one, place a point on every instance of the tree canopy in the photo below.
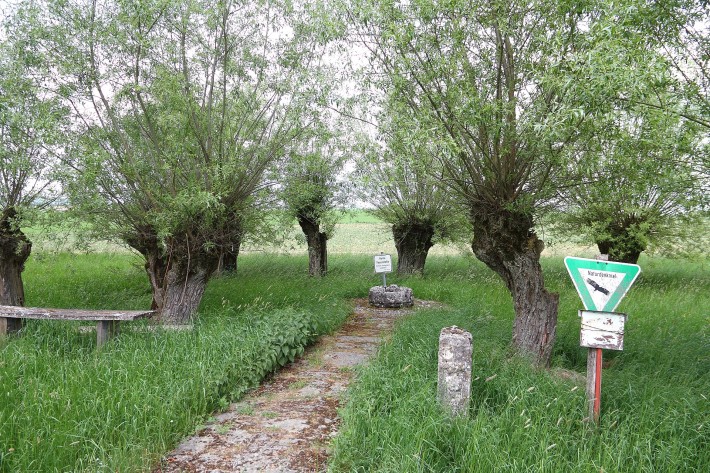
(30, 127)
(180, 109)
(485, 80)
(638, 185)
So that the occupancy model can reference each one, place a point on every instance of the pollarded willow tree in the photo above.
(640, 186)
(403, 180)
(180, 108)
(644, 160)
(311, 193)
(29, 127)
(485, 78)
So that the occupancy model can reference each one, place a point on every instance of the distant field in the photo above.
(358, 232)
(363, 234)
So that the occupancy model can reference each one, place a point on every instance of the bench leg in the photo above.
(9, 325)
(105, 330)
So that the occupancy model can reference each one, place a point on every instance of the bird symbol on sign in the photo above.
(597, 287)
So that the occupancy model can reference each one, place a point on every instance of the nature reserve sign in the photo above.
(601, 284)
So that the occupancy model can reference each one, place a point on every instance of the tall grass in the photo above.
(66, 406)
(655, 408)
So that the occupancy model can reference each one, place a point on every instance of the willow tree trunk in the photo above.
(177, 278)
(623, 250)
(15, 248)
(228, 259)
(180, 293)
(178, 286)
(506, 243)
(317, 247)
(413, 241)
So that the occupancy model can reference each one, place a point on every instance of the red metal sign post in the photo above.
(594, 382)
(599, 330)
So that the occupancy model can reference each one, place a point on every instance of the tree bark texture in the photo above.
(15, 248)
(230, 250)
(505, 241)
(182, 290)
(413, 241)
(178, 275)
(317, 246)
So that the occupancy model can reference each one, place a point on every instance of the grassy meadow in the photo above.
(655, 406)
(66, 406)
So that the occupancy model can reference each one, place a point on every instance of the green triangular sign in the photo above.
(601, 284)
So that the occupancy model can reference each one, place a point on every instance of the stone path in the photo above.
(286, 424)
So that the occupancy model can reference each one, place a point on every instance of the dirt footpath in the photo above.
(286, 424)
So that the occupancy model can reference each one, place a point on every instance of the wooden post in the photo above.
(9, 325)
(594, 382)
(105, 330)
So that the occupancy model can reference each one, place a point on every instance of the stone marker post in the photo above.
(455, 360)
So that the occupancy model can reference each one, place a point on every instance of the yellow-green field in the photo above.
(357, 233)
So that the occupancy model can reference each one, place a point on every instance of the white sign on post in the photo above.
(601, 286)
(383, 264)
(602, 330)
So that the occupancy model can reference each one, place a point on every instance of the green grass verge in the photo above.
(655, 408)
(65, 406)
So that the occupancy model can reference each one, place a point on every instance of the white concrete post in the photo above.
(455, 361)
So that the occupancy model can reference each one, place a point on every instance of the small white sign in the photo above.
(383, 264)
(602, 330)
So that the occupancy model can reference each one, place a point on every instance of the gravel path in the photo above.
(286, 424)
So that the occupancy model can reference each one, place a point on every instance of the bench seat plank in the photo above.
(72, 314)
(106, 320)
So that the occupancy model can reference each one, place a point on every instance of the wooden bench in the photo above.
(106, 320)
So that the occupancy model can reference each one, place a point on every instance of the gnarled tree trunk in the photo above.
(506, 243)
(178, 277)
(181, 291)
(230, 250)
(413, 241)
(15, 248)
(317, 246)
